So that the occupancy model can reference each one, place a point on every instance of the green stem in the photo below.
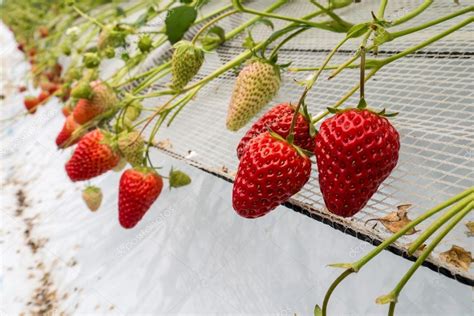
(432, 22)
(230, 35)
(360, 263)
(345, 97)
(382, 7)
(356, 266)
(323, 26)
(363, 47)
(413, 13)
(438, 223)
(428, 42)
(381, 63)
(393, 296)
(210, 23)
(88, 17)
(160, 41)
(395, 35)
(151, 77)
(310, 85)
(286, 40)
(333, 15)
(332, 287)
(238, 59)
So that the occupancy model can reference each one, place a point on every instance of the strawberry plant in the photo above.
(355, 148)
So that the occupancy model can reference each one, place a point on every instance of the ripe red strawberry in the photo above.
(43, 96)
(43, 31)
(103, 98)
(65, 137)
(356, 150)
(66, 109)
(92, 157)
(138, 190)
(84, 111)
(49, 86)
(270, 172)
(278, 119)
(31, 103)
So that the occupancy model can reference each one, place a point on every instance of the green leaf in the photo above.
(318, 311)
(341, 265)
(277, 34)
(385, 299)
(201, 3)
(248, 42)
(186, 1)
(119, 11)
(390, 114)
(382, 36)
(332, 110)
(336, 4)
(358, 30)
(283, 66)
(266, 22)
(143, 19)
(178, 21)
(218, 31)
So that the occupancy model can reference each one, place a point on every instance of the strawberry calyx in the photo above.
(302, 152)
(110, 139)
(382, 112)
(307, 116)
(271, 62)
(145, 170)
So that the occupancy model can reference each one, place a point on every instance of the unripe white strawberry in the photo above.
(258, 82)
(131, 145)
(103, 95)
(92, 196)
(185, 64)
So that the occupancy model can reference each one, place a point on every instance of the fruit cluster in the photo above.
(355, 150)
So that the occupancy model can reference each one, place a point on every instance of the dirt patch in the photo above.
(44, 299)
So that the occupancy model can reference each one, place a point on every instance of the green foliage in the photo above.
(178, 21)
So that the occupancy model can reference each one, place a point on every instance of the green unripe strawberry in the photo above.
(109, 52)
(66, 49)
(91, 60)
(82, 90)
(258, 82)
(111, 36)
(145, 44)
(92, 196)
(178, 179)
(133, 111)
(72, 74)
(132, 146)
(185, 64)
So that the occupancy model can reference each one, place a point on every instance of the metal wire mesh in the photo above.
(432, 90)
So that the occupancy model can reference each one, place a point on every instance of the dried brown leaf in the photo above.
(458, 257)
(470, 227)
(165, 144)
(397, 220)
